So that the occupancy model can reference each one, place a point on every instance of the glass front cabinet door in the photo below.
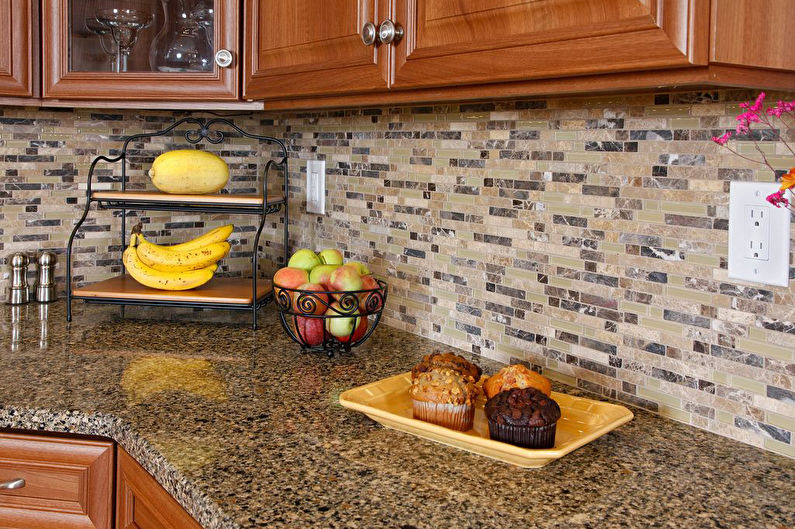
(141, 49)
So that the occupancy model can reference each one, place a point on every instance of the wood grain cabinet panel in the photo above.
(312, 47)
(18, 48)
(450, 42)
(68, 483)
(758, 33)
(141, 503)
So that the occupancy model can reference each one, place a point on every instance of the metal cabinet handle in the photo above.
(368, 33)
(389, 32)
(13, 484)
(224, 58)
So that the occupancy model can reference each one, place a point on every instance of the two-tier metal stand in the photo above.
(220, 293)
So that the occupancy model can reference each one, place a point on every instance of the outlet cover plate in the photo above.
(758, 235)
(316, 186)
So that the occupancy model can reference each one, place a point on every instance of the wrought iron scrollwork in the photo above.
(298, 308)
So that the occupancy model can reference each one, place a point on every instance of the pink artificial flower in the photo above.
(749, 117)
(721, 140)
(759, 102)
(777, 198)
(782, 107)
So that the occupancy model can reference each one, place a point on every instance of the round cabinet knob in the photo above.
(368, 33)
(224, 58)
(389, 32)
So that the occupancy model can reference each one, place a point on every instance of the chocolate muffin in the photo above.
(452, 361)
(524, 417)
(444, 397)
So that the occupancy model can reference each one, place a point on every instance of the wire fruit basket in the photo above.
(330, 321)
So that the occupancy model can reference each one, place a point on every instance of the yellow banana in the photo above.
(163, 259)
(218, 234)
(158, 279)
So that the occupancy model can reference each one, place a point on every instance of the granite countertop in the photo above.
(247, 432)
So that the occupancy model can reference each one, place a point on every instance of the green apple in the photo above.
(360, 267)
(341, 327)
(330, 256)
(305, 259)
(321, 275)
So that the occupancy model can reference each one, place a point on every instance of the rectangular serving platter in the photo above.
(583, 420)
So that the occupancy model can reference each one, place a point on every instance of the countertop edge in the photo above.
(193, 500)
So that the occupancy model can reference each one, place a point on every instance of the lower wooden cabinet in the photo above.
(141, 503)
(49, 482)
(55, 483)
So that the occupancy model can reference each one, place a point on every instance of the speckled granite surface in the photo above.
(246, 432)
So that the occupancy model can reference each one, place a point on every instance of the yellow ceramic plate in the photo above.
(583, 420)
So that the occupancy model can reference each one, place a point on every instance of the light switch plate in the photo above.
(758, 235)
(316, 186)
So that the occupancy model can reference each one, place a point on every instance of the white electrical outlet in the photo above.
(757, 232)
(316, 186)
(758, 235)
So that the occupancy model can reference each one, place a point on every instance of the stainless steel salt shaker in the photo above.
(18, 293)
(45, 283)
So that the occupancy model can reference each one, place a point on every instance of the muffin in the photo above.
(524, 417)
(444, 397)
(516, 376)
(452, 361)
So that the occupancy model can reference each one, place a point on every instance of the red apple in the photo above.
(320, 300)
(288, 277)
(310, 330)
(345, 278)
(341, 326)
(369, 283)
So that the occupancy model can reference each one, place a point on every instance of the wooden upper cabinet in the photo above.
(758, 33)
(18, 48)
(312, 47)
(451, 42)
(172, 56)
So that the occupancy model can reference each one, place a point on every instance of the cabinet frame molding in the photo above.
(222, 84)
(21, 76)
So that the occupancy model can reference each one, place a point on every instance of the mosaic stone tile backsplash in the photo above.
(584, 236)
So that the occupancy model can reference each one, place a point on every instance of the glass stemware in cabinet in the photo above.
(125, 26)
(105, 40)
(179, 47)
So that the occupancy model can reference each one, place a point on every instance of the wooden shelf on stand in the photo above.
(225, 290)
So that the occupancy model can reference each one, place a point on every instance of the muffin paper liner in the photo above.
(456, 416)
(524, 436)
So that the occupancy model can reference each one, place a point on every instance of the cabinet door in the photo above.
(312, 47)
(450, 42)
(139, 49)
(65, 483)
(756, 33)
(141, 503)
(17, 48)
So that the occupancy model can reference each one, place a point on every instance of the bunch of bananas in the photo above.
(178, 267)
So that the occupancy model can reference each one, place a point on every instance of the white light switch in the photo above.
(316, 186)
(758, 235)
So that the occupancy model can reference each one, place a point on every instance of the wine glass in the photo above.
(105, 39)
(125, 26)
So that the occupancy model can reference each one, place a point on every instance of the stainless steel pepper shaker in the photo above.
(18, 293)
(45, 284)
